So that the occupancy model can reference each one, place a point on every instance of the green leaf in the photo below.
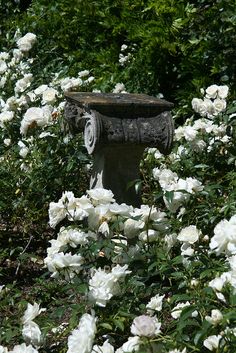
(119, 324)
(106, 326)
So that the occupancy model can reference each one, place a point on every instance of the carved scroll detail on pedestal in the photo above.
(92, 131)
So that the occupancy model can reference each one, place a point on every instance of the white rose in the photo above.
(31, 312)
(38, 91)
(25, 43)
(219, 105)
(177, 310)
(105, 348)
(37, 116)
(190, 133)
(155, 304)
(3, 82)
(132, 345)
(212, 342)
(132, 227)
(223, 91)
(23, 151)
(207, 108)
(49, 96)
(83, 73)
(101, 196)
(149, 235)
(23, 83)
(211, 91)
(32, 334)
(186, 250)
(7, 142)
(123, 47)
(17, 54)
(215, 318)
(145, 326)
(189, 234)
(224, 239)
(179, 133)
(57, 212)
(22, 348)
(196, 104)
(4, 55)
(119, 88)
(5, 117)
(193, 185)
(61, 261)
(3, 67)
(103, 285)
(198, 145)
(81, 339)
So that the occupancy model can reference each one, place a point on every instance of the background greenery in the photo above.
(177, 47)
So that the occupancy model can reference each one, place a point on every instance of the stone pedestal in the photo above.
(117, 128)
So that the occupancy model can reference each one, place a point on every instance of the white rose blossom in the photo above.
(24, 150)
(5, 117)
(155, 304)
(32, 334)
(177, 310)
(212, 342)
(35, 116)
(81, 338)
(178, 351)
(211, 91)
(215, 318)
(22, 84)
(31, 312)
(132, 345)
(147, 326)
(213, 103)
(224, 239)
(149, 235)
(100, 196)
(3, 349)
(22, 348)
(67, 263)
(25, 43)
(104, 285)
(49, 96)
(189, 234)
(3, 67)
(105, 348)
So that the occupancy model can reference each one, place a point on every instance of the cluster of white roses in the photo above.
(31, 332)
(224, 242)
(99, 209)
(124, 56)
(194, 131)
(181, 188)
(25, 43)
(40, 106)
(82, 338)
(143, 326)
(213, 102)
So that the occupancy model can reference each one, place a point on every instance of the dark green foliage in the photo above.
(178, 46)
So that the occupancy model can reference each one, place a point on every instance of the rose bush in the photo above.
(108, 277)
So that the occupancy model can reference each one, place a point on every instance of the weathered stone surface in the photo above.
(117, 128)
(122, 105)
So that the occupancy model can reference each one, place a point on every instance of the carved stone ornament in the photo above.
(117, 128)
